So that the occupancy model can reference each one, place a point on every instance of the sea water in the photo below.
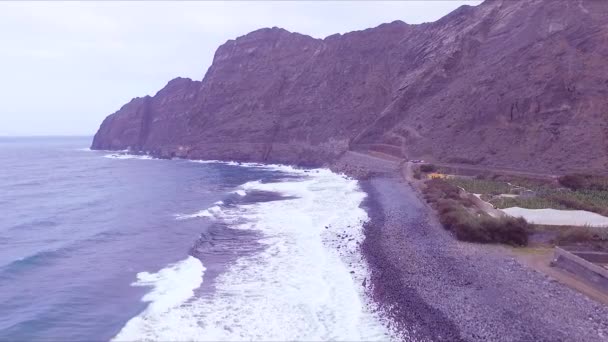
(113, 246)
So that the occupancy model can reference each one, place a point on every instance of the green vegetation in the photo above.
(459, 215)
(535, 202)
(535, 185)
(583, 192)
(481, 186)
(589, 200)
(587, 192)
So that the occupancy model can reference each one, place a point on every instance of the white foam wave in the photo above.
(275, 167)
(128, 156)
(214, 211)
(306, 284)
(242, 189)
(172, 286)
(233, 163)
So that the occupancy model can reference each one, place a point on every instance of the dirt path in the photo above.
(436, 288)
(539, 258)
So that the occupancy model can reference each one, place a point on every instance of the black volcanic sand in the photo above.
(433, 287)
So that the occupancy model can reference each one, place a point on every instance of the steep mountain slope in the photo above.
(519, 84)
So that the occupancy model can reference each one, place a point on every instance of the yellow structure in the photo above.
(437, 175)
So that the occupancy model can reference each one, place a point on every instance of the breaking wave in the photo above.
(214, 211)
(129, 156)
(304, 284)
(171, 287)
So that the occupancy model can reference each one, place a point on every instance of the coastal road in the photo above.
(370, 152)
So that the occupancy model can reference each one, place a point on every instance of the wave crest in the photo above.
(304, 284)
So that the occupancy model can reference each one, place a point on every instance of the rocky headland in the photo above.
(519, 84)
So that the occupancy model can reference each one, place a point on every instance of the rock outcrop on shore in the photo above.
(505, 83)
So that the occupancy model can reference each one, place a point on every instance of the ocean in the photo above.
(98, 245)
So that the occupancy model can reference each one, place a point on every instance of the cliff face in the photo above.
(519, 84)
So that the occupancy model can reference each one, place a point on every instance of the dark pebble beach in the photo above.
(431, 287)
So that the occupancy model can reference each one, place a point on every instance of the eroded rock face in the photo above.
(519, 84)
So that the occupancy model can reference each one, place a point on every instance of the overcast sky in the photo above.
(64, 66)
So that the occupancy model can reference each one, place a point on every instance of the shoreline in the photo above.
(434, 287)
(430, 286)
(244, 286)
(411, 316)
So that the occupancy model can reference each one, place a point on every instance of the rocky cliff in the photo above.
(518, 84)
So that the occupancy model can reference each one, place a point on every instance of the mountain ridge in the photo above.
(503, 84)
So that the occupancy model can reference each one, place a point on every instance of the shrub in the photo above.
(579, 181)
(506, 229)
(484, 228)
(417, 173)
(596, 236)
(439, 189)
(459, 215)
(574, 181)
(428, 168)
